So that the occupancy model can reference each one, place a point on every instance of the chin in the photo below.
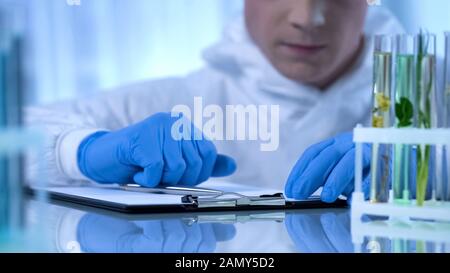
(300, 73)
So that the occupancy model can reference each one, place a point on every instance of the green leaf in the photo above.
(404, 112)
(407, 108)
(404, 124)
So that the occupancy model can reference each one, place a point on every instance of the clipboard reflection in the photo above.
(100, 234)
(321, 233)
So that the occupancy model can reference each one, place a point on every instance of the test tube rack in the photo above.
(430, 222)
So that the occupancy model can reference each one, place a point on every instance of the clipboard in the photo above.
(238, 198)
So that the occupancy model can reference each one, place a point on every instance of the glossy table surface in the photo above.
(64, 227)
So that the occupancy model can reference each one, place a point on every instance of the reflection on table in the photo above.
(69, 228)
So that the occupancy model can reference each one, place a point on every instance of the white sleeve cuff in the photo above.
(67, 151)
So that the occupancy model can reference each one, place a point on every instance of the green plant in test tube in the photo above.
(404, 114)
(426, 109)
(381, 118)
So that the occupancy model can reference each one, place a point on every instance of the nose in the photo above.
(307, 14)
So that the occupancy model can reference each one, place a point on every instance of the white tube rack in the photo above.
(430, 222)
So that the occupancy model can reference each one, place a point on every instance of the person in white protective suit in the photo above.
(301, 71)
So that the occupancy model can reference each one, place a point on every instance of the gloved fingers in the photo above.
(193, 164)
(174, 236)
(98, 233)
(296, 233)
(316, 171)
(349, 199)
(366, 187)
(307, 233)
(193, 238)
(319, 169)
(348, 191)
(151, 175)
(337, 230)
(150, 239)
(207, 151)
(303, 162)
(208, 242)
(224, 232)
(150, 160)
(152, 229)
(136, 243)
(340, 177)
(223, 166)
(174, 164)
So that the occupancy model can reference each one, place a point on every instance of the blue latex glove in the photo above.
(100, 234)
(329, 164)
(320, 233)
(147, 154)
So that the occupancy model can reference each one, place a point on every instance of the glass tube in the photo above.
(399, 246)
(4, 197)
(426, 113)
(445, 187)
(404, 114)
(381, 118)
(11, 95)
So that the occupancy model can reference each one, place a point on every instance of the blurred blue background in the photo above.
(104, 43)
(75, 50)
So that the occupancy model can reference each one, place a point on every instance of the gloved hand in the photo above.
(100, 234)
(320, 233)
(146, 153)
(329, 164)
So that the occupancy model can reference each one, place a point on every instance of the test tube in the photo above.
(404, 114)
(426, 113)
(399, 246)
(445, 186)
(381, 118)
(4, 212)
(11, 102)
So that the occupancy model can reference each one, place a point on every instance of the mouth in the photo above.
(302, 49)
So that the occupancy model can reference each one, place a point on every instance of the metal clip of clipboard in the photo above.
(239, 200)
(233, 218)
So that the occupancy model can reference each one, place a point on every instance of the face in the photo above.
(309, 41)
